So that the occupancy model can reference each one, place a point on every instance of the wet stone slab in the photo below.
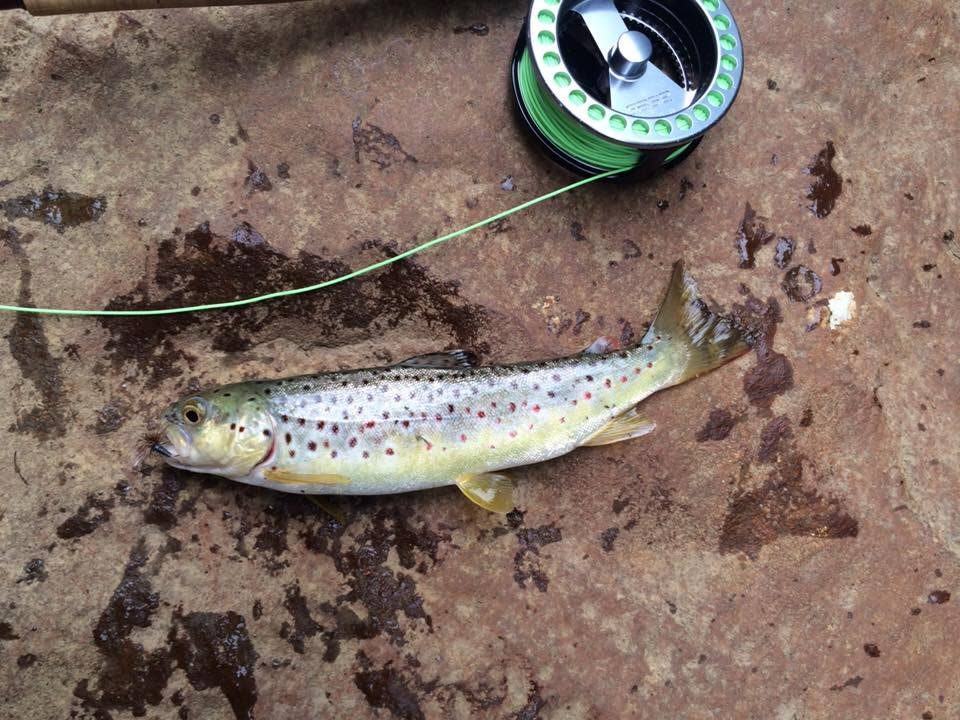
(783, 545)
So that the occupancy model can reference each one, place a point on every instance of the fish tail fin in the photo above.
(707, 339)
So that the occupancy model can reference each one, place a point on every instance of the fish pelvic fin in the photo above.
(491, 491)
(627, 426)
(684, 319)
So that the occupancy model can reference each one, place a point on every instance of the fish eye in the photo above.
(193, 413)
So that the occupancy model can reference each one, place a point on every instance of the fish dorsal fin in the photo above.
(491, 491)
(623, 427)
(446, 359)
(288, 477)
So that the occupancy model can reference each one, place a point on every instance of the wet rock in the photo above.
(827, 183)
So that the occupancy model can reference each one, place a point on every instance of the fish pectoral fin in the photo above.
(447, 359)
(601, 345)
(289, 477)
(623, 427)
(329, 506)
(491, 491)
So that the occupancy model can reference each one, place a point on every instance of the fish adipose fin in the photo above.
(684, 319)
(291, 478)
(490, 491)
(447, 359)
(623, 427)
(601, 345)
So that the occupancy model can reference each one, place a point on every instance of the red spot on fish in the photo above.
(406, 423)
(536, 408)
(389, 451)
(463, 438)
(241, 429)
(353, 442)
(335, 429)
(370, 423)
(623, 378)
(326, 443)
(587, 395)
(493, 405)
(302, 421)
(607, 383)
(429, 445)
(365, 454)
(449, 408)
(481, 414)
(333, 453)
(467, 410)
(513, 433)
(311, 446)
(321, 425)
(649, 364)
(284, 418)
(513, 407)
(438, 417)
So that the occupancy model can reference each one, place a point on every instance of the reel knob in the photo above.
(629, 58)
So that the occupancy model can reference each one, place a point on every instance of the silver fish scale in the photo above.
(398, 429)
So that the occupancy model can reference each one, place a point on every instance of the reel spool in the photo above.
(629, 85)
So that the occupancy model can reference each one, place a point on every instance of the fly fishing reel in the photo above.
(625, 85)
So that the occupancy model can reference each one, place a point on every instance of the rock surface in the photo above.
(785, 545)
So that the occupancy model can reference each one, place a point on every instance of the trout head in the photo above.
(225, 432)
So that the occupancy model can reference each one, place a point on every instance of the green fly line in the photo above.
(564, 132)
(318, 286)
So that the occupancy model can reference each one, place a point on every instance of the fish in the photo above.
(440, 418)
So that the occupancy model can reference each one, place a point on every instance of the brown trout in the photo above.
(438, 419)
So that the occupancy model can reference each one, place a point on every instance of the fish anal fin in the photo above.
(491, 491)
(288, 477)
(623, 427)
(447, 359)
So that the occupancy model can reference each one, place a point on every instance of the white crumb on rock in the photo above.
(842, 307)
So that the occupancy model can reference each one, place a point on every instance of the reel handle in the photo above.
(67, 7)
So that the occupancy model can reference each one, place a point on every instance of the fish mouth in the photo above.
(165, 449)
